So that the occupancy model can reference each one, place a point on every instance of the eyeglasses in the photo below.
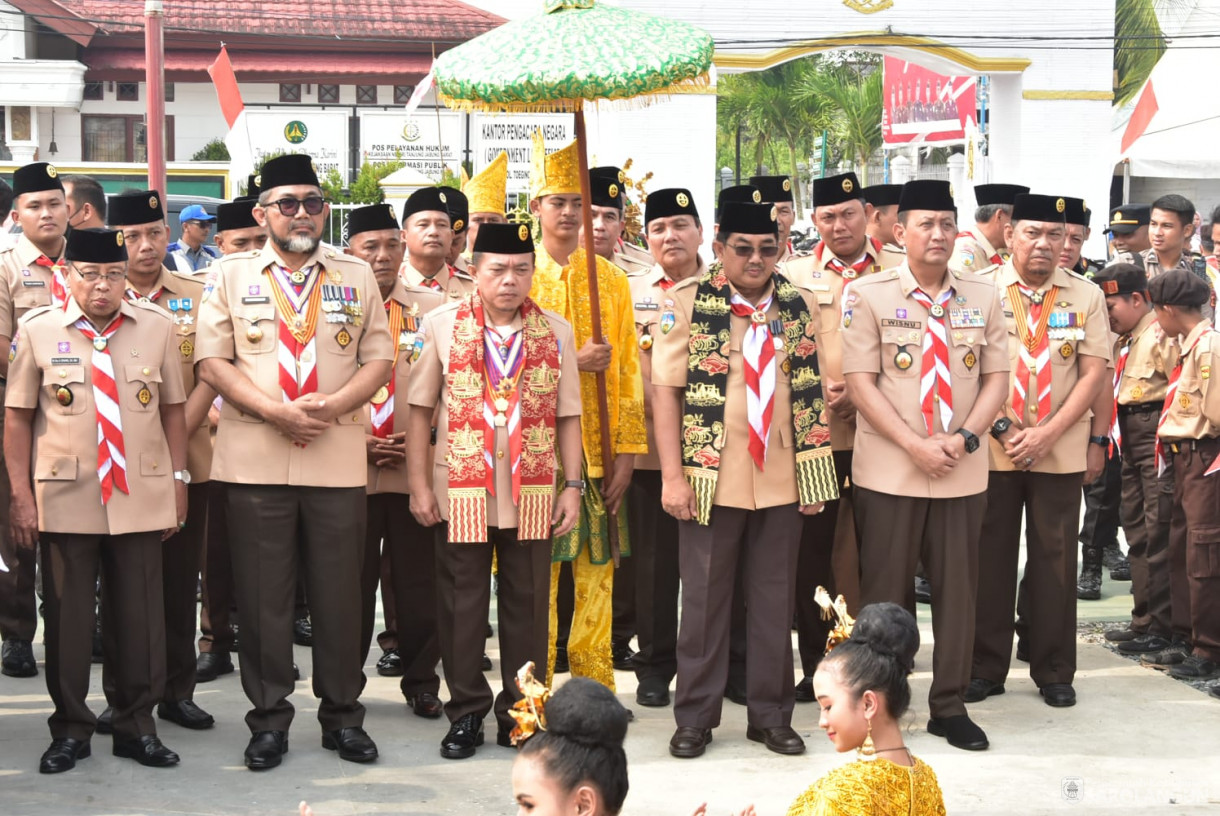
(747, 251)
(289, 206)
(93, 276)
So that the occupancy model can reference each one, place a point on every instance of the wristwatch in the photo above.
(579, 484)
(183, 476)
(1104, 441)
(1000, 427)
(972, 441)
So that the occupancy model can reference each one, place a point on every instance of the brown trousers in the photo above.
(272, 530)
(463, 587)
(1049, 503)
(1146, 509)
(654, 551)
(412, 585)
(387, 638)
(1195, 547)
(767, 542)
(215, 611)
(896, 533)
(132, 608)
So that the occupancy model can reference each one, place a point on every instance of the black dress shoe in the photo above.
(960, 731)
(146, 750)
(105, 722)
(1059, 695)
(296, 672)
(652, 694)
(804, 690)
(923, 590)
(266, 750)
(465, 735)
(353, 744)
(210, 665)
(980, 689)
(781, 739)
(17, 659)
(1144, 644)
(302, 631)
(688, 743)
(390, 664)
(62, 755)
(485, 665)
(1022, 650)
(426, 705)
(489, 631)
(622, 656)
(735, 693)
(504, 738)
(561, 660)
(186, 714)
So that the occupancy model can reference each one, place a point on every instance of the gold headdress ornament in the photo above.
(632, 212)
(486, 189)
(530, 710)
(556, 174)
(836, 609)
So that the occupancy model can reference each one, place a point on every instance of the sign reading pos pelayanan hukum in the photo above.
(426, 141)
(320, 134)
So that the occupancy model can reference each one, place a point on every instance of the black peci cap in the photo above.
(605, 187)
(35, 178)
(236, 214)
(991, 194)
(504, 239)
(883, 195)
(287, 171)
(927, 194)
(742, 193)
(748, 219)
(1076, 211)
(836, 189)
(1033, 207)
(774, 189)
(130, 209)
(371, 219)
(458, 207)
(427, 199)
(95, 246)
(669, 201)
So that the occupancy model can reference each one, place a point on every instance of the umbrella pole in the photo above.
(595, 310)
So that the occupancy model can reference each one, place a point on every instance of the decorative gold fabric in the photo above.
(592, 616)
(554, 174)
(875, 787)
(486, 190)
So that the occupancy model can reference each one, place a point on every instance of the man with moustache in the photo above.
(428, 234)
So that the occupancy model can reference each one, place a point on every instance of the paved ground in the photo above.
(1137, 741)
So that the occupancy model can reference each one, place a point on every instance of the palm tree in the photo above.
(1138, 44)
(853, 93)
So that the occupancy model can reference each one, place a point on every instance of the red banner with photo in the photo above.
(924, 107)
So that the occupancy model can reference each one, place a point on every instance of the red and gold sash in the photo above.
(533, 436)
(382, 404)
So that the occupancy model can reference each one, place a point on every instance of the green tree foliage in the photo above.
(852, 92)
(214, 150)
(1138, 45)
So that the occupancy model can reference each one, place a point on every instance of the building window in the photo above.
(290, 92)
(169, 92)
(328, 93)
(120, 139)
(402, 94)
(128, 92)
(366, 94)
(93, 91)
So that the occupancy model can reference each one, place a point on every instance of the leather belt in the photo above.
(1140, 408)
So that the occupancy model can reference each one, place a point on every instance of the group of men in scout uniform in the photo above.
(422, 408)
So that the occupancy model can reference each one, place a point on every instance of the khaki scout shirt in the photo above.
(179, 288)
(1195, 410)
(428, 389)
(51, 355)
(24, 285)
(972, 252)
(633, 260)
(1076, 294)
(881, 322)
(394, 479)
(1150, 360)
(454, 284)
(811, 271)
(739, 483)
(649, 301)
(249, 450)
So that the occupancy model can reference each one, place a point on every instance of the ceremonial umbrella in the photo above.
(575, 53)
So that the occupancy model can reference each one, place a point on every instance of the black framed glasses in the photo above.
(747, 251)
(289, 206)
(93, 276)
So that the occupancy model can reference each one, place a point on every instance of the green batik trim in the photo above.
(816, 480)
(703, 482)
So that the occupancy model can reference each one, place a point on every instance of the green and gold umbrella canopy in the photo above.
(578, 51)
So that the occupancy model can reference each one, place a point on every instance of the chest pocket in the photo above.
(67, 389)
(966, 352)
(901, 351)
(254, 329)
(1188, 401)
(143, 387)
(342, 339)
(828, 310)
(31, 297)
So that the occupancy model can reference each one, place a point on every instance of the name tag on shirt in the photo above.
(647, 305)
(65, 361)
(901, 324)
(33, 283)
(263, 299)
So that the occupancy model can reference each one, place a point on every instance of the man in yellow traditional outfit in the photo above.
(561, 285)
(486, 196)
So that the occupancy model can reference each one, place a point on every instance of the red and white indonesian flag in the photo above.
(241, 152)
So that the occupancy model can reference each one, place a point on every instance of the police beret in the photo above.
(669, 201)
(883, 195)
(1121, 279)
(371, 219)
(748, 219)
(1031, 207)
(1127, 218)
(774, 189)
(927, 194)
(743, 193)
(836, 189)
(1178, 287)
(427, 199)
(287, 171)
(606, 187)
(504, 239)
(136, 207)
(1075, 211)
(236, 214)
(34, 178)
(991, 194)
(95, 246)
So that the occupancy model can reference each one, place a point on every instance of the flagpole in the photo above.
(154, 76)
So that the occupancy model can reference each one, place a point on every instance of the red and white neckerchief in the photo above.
(758, 350)
(298, 321)
(432, 283)
(1116, 433)
(381, 407)
(862, 265)
(1170, 393)
(111, 457)
(59, 286)
(666, 283)
(1034, 357)
(935, 385)
(503, 362)
(151, 297)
